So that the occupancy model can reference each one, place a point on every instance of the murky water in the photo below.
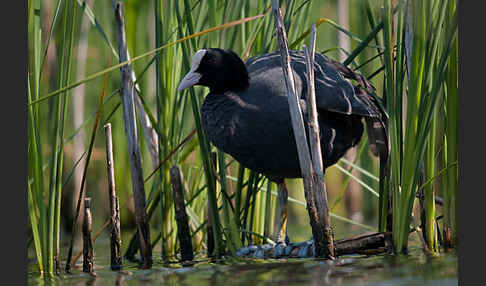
(413, 269)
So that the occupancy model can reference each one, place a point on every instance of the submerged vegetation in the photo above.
(408, 49)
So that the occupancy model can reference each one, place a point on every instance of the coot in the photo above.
(246, 113)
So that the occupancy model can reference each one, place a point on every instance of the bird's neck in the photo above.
(217, 115)
(226, 89)
(215, 105)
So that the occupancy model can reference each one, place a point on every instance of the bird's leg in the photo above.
(281, 231)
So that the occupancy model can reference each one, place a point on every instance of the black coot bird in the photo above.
(246, 113)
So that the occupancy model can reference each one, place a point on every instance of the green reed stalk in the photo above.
(230, 225)
(35, 203)
(391, 100)
(426, 53)
(451, 87)
(268, 210)
(159, 87)
(238, 193)
(430, 230)
(261, 214)
(62, 119)
(56, 146)
(35, 147)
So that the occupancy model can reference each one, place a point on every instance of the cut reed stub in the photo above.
(183, 232)
(88, 254)
(115, 238)
(447, 238)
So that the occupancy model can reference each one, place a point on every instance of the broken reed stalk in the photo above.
(367, 244)
(127, 98)
(115, 238)
(316, 205)
(88, 258)
(315, 146)
(94, 238)
(183, 232)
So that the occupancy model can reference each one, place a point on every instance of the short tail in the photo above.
(376, 127)
(376, 122)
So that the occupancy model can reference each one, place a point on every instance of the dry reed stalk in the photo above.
(316, 197)
(127, 93)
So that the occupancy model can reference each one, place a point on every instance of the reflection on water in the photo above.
(413, 269)
(380, 270)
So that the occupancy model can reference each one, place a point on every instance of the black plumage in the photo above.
(246, 112)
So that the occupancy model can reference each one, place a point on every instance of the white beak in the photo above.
(191, 78)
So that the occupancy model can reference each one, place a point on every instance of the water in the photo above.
(416, 268)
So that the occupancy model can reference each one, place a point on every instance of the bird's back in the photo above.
(333, 91)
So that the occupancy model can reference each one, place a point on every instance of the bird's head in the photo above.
(220, 70)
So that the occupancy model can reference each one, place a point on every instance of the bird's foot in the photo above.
(281, 249)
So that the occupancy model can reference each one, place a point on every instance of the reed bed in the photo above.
(408, 49)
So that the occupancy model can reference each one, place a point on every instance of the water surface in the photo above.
(416, 268)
